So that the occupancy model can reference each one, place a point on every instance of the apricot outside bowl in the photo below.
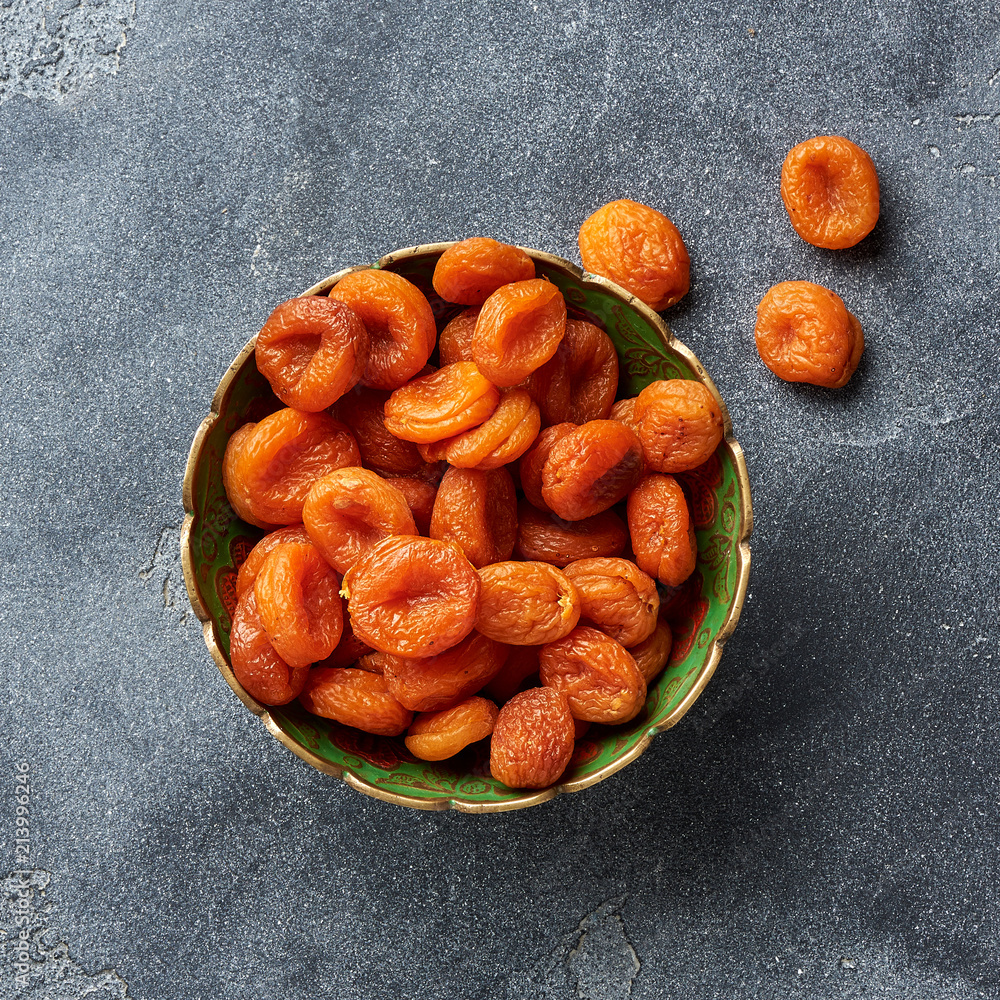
(703, 612)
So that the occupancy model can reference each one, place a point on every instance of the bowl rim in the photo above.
(713, 654)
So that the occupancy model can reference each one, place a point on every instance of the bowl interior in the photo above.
(702, 612)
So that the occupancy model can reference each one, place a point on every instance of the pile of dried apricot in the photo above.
(468, 544)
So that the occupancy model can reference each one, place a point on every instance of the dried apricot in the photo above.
(638, 248)
(533, 739)
(470, 271)
(440, 735)
(518, 330)
(526, 603)
(399, 321)
(653, 654)
(617, 597)
(299, 603)
(455, 342)
(253, 562)
(596, 674)
(830, 190)
(679, 424)
(549, 538)
(356, 698)
(477, 511)
(591, 469)
(349, 650)
(440, 405)
(533, 461)
(430, 683)
(349, 510)
(269, 467)
(520, 665)
(662, 531)
(312, 350)
(256, 665)
(503, 437)
(412, 596)
(420, 497)
(579, 382)
(363, 412)
(804, 333)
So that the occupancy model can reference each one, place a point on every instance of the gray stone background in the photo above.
(824, 821)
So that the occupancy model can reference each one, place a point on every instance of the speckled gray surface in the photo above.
(824, 822)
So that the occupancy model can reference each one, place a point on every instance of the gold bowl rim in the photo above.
(713, 654)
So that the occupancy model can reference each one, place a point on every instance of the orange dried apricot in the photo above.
(470, 271)
(638, 248)
(526, 603)
(590, 469)
(349, 650)
(477, 511)
(256, 665)
(624, 412)
(653, 654)
(412, 596)
(617, 597)
(399, 321)
(269, 467)
(440, 405)
(349, 510)
(253, 562)
(299, 603)
(420, 497)
(533, 462)
(455, 342)
(533, 739)
(363, 412)
(579, 382)
(312, 350)
(440, 735)
(355, 697)
(430, 683)
(679, 424)
(518, 330)
(596, 674)
(662, 531)
(503, 437)
(549, 538)
(804, 333)
(830, 190)
(520, 665)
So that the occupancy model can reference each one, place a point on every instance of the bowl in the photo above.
(703, 612)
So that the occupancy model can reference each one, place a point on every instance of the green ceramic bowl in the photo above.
(703, 612)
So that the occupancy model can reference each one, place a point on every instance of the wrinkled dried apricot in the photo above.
(312, 350)
(470, 271)
(518, 330)
(503, 437)
(624, 412)
(349, 510)
(269, 467)
(679, 424)
(830, 190)
(455, 341)
(653, 654)
(579, 382)
(520, 665)
(617, 597)
(356, 698)
(638, 248)
(440, 735)
(399, 321)
(256, 665)
(533, 462)
(412, 596)
(420, 497)
(533, 739)
(549, 538)
(298, 601)
(477, 511)
(363, 412)
(430, 683)
(526, 603)
(804, 333)
(349, 650)
(253, 562)
(590, 469)
(440, 405)
(595, 673)
(662, 531)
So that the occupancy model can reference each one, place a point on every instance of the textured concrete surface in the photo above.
(824, 822)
